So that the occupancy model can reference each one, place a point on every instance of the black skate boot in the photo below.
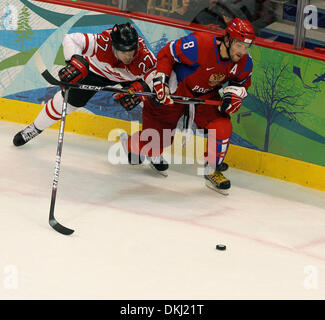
(26, 135)
(159, 165)
(133, 159)
(222, 167)
(215, 180)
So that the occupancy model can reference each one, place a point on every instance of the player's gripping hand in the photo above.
(232, 99)
(75, 70)
(130, 100)
(160, 85)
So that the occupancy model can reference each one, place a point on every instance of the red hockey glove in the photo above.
(232, 99)
(160, 85)
(75, 70)
(130, 100)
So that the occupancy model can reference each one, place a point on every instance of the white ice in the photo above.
(143, 236)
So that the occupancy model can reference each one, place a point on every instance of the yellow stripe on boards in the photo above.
(275, 166)
(78, 122)
(263, 163)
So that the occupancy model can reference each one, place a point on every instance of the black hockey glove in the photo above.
(129, 100)
(75, 70)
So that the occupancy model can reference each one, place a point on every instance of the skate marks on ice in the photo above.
(129, 221)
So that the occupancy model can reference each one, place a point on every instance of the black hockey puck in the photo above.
(220, 247)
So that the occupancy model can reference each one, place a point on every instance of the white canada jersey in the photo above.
(97, 49)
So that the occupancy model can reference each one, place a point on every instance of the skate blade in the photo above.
(162, 173)
(224, 192)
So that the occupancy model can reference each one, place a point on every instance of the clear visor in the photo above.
(242, 45)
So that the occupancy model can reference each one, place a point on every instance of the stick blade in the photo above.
(60, 228)
(49, 78)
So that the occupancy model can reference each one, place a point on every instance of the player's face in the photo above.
(238, 49)
(125, 56)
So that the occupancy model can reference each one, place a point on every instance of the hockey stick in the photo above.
(178, 99)
(53, 222)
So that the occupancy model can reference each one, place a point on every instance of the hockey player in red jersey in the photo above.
(116, 56)
(198, 65)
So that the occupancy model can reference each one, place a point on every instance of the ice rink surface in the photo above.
(143, 236)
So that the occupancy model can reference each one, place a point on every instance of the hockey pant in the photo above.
(157, 118)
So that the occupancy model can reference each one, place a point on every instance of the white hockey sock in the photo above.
(51, 112)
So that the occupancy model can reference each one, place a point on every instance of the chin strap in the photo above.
(228, 48)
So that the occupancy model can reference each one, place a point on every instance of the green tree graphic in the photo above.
(24, 30)
(282, 90)
(280, 95)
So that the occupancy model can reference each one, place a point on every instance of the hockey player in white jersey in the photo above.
(116, 56)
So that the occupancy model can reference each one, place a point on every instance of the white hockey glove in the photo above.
(232, 99)
(160, 85)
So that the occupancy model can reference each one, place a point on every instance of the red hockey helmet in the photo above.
(241, 30)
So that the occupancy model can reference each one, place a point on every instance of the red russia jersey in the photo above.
(199, 68)
(97, 49)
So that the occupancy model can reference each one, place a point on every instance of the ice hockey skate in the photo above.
(223, 167)
(215, 180)
(133, 159)
(158, 164)
(26, 135)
